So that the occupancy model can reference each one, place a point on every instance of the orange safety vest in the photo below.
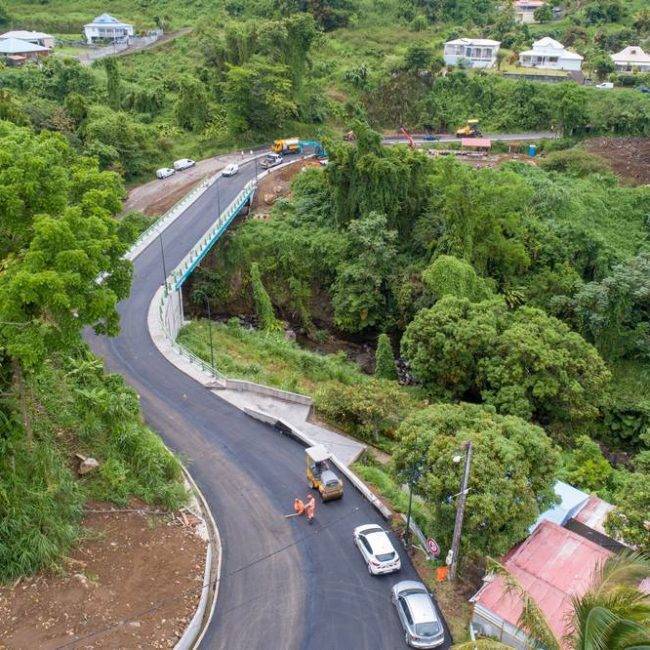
(310, 507)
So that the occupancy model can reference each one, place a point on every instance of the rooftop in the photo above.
(16, 46)
(106, 19)
(473, 41)
(571, 501)
(553, 565)
(632, 54)
(550, 47)
(25, 35)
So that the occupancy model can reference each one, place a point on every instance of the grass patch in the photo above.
(358, 404)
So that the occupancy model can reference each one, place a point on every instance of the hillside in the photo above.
(249, 72)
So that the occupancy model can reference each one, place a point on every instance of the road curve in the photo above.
(285, 585)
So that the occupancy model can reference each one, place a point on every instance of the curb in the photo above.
(198, 625)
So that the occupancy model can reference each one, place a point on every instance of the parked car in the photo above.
(606, 85)
(418, 615)
(271, 160)
(165, 172)
(230, 170)
(183, 163)
(377, 549)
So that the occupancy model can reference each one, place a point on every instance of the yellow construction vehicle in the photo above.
(470, 130)
(289, 145)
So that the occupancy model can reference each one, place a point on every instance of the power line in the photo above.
(182, 594)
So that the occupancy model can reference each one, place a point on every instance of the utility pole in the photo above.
(460, 512)
(207, 305)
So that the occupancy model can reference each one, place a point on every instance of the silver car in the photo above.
(376, 548)
(418, 615)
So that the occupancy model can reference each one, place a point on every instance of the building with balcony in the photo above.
(106, 29)
(471, 52)
(549, 54)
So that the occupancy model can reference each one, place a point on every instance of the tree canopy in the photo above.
(511, 481)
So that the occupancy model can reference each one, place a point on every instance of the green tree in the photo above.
(511, 482)
(543, 14)
(586, 467)
(385, 359)
(192, 108)
(263, 304)
(444, 345)
(481, 217)
(367, 177)
(523, 362)
(359, 294)
(113, 83)
(573, 110)
(615, 312)
(258, 97)
(539, 368)
(418, 57)
(447, 275)
(603, 66)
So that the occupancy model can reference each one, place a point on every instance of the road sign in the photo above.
(433, 547)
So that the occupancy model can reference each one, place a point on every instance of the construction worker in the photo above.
(298, 506)
(310, 507)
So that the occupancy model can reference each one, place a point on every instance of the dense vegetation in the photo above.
(57, 235)
(518, 296)
(250, 71)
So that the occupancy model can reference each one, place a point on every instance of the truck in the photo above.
(287, 146)
(271, 160)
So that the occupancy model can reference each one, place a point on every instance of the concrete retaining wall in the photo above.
(251, 387)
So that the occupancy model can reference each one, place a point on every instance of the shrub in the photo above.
(370, 410)
(384, 359)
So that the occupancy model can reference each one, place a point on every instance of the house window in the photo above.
(553, 59)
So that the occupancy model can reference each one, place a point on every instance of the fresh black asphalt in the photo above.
(285, 585)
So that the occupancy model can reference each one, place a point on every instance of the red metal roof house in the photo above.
(553, 564)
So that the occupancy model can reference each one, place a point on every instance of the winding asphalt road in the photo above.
(285, 585)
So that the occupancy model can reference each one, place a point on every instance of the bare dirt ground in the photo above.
(629, 158)
(134, 582)
(157, 196)
(276, 185)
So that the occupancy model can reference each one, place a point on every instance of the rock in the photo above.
(289, 335)
(134, 623)
(82, 579)
(88, 465)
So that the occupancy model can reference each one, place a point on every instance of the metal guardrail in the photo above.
(194, 257)
(163, 221)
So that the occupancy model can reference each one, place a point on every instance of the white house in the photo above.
(37, 38)
(549, 54)
(632, 58)
(525, 10)
(107, 28)
(471, 52)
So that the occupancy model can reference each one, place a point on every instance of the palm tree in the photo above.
(614, 614)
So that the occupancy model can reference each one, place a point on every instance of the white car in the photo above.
(377, 549)
(606, 85)
(183, 163)
(165, 172)
(230, 170)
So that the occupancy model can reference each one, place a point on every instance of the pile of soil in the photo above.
(629, 158)
(276, 185)
(134, 582)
